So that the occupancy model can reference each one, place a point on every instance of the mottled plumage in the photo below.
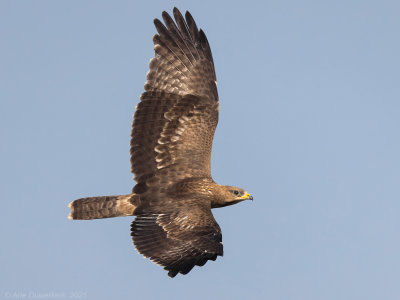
(171, 143)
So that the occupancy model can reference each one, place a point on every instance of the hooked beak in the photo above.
(247, 196)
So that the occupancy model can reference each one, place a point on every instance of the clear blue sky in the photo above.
(309, 124)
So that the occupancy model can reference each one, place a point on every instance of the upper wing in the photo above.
(174, 123)
(180, 239)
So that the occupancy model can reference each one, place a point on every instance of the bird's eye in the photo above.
(236, 192)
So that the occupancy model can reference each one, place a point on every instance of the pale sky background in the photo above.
(309, 124)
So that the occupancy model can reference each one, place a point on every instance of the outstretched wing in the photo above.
(174, 123)
(180, 239)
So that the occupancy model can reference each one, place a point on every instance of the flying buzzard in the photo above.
(172, 134)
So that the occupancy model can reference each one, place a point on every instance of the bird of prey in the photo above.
(172, 134)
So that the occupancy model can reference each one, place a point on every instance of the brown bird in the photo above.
(172, 134)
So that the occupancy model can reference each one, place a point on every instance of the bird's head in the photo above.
(228, 195)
